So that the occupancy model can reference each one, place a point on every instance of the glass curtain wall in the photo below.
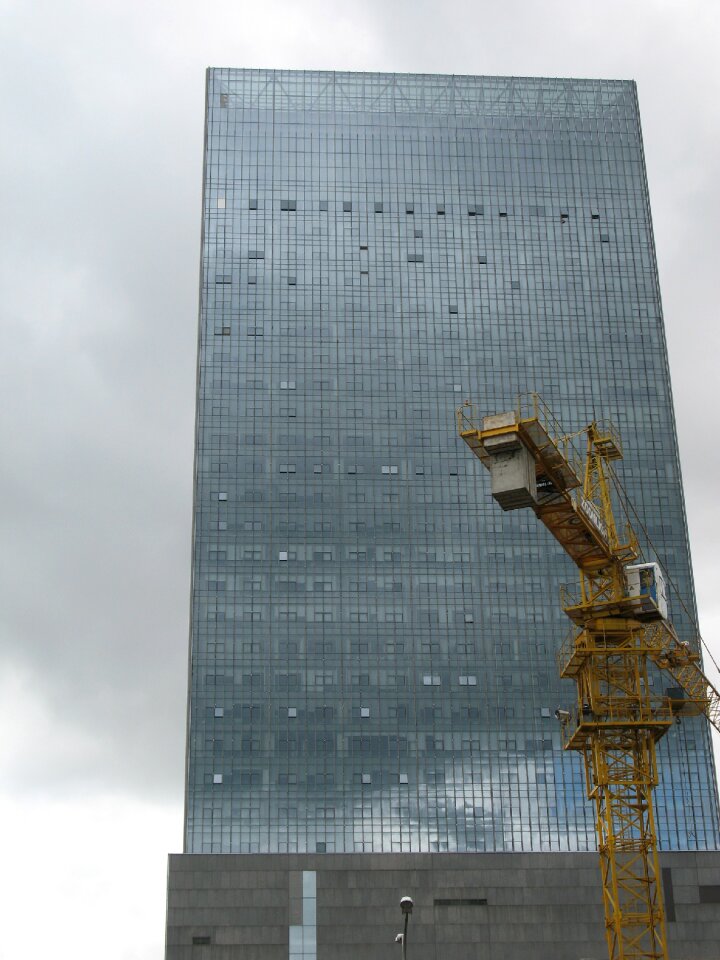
(373, 642)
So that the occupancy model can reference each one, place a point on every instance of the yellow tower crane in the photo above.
(619, 616)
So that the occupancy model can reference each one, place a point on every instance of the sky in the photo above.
(101, 110)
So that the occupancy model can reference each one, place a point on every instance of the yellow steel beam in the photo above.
(623, 775)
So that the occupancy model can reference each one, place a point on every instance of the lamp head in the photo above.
(406, 904)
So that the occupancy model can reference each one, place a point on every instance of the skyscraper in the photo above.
(372, 645)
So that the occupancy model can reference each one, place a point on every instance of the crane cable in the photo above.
(629, 508)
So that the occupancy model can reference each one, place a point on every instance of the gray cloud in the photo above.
(100, 166)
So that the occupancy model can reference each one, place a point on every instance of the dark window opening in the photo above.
(462, 902)
(378, 208)
(669, 894)
(709, 893)
(347, 206)
(201, 941)
(252, 204)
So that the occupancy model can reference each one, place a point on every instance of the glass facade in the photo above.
(373, 641)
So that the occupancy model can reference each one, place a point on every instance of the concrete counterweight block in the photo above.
(512, 472)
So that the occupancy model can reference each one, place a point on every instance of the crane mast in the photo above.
(619, 616)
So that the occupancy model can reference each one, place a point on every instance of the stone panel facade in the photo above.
(499, 906)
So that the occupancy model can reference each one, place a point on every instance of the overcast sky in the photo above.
(101, 141)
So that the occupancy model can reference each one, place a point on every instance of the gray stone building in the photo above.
(491, 906)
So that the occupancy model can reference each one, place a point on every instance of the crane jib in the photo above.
(592, 513)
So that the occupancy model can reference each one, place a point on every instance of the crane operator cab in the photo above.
(646, 586)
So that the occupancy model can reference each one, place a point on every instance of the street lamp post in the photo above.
(406, 905)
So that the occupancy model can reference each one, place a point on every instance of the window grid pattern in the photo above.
(372, 641)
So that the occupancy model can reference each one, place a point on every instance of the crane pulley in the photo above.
(620, 627)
